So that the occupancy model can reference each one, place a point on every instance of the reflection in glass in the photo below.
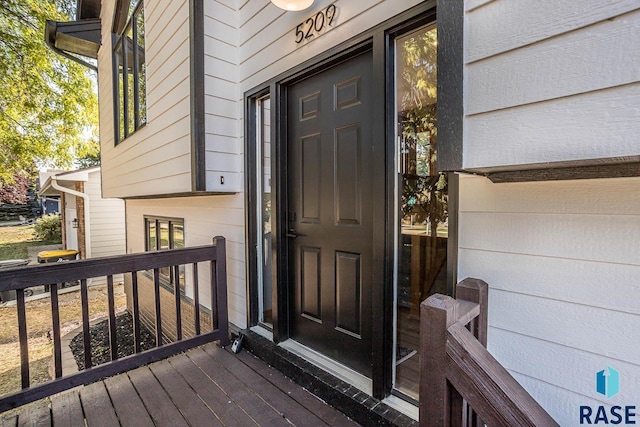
(263, 137)
(142, 71)
(152, 246)
(422, 226)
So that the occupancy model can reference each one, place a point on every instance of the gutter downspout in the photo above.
(87, 217)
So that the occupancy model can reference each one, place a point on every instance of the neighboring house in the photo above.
(310, 141)
(91, 224)
(50, 204)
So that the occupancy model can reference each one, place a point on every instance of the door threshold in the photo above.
(336, 369)
(402, 405)
(342, 395)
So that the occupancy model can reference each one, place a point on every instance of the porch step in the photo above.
(359, 406)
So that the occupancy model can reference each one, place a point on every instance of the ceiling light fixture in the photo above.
(293, 5)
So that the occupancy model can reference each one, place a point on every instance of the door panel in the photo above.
(330, 164)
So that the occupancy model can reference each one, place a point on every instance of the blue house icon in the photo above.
(608, 382)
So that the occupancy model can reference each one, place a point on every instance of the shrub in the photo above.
(49, 227)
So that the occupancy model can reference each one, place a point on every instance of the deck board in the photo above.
(159, 404)
(97, 405)
(204, 386)
(66, 410)
(310, 402)
(192, 407)
(127, 402)
(9, 420)
(225, 409)
(36, 414)
(286, 406)
(243, 394)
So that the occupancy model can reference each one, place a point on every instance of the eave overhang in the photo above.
(75, 37)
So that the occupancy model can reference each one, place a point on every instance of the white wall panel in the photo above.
(204, 217)
(562, 260)
(167, 53)
(607, 333)
(501, 26)
(614, 196)
(595, 125)
(592, 58)
(590, 283)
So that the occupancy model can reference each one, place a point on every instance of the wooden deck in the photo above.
(204, 386)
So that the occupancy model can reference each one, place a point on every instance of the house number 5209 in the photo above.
(315, 24)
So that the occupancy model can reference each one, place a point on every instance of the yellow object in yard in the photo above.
(58, 255)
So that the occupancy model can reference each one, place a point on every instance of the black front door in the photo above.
(330, 165)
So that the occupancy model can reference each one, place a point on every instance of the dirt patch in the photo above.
(100, 348)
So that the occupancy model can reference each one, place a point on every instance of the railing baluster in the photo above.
(156, 289)
(81, 270)
(84, 299)
(55, 320)
(176, 292)
(113, 339)
(221, 288)
(22, 332)
(196, 299)
(214, 296)
(136, 311)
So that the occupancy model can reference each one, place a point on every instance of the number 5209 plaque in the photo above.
(316, 24)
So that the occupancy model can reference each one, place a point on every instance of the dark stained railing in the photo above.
(461, 383)
(52, 274)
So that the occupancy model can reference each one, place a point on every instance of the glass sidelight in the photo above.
(263, 211)
(421, 198)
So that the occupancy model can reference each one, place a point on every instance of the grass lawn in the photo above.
(15, 240)
(39, 331)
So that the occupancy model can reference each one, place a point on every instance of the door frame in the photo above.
(379, 40)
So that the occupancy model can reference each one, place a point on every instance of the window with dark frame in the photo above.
(130, 103)
(161, 234)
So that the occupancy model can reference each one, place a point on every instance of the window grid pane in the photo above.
(129, 59)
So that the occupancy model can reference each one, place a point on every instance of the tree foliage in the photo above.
(15, 192)
(48, 104)
(424, 188)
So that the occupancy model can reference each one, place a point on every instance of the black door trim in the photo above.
(378, 39)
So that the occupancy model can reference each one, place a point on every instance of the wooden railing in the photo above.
(461, 383)
(135, 265)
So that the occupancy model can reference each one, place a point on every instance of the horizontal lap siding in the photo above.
(562, 261)
(161, 150)
(550, 83)
(204, 217)
(107, 221)
(223, 157)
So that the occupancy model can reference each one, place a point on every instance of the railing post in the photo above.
(437, 313)
(221, 309)
(477, 291)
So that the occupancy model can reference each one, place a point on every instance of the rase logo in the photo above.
(608, 385)
(608, 382)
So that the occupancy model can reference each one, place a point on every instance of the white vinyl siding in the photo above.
(249, 44)
(223, 97)
(107, 220)
(550, 83)
(157, 158)
(204, 218)
(562, 260)
(554, 83)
